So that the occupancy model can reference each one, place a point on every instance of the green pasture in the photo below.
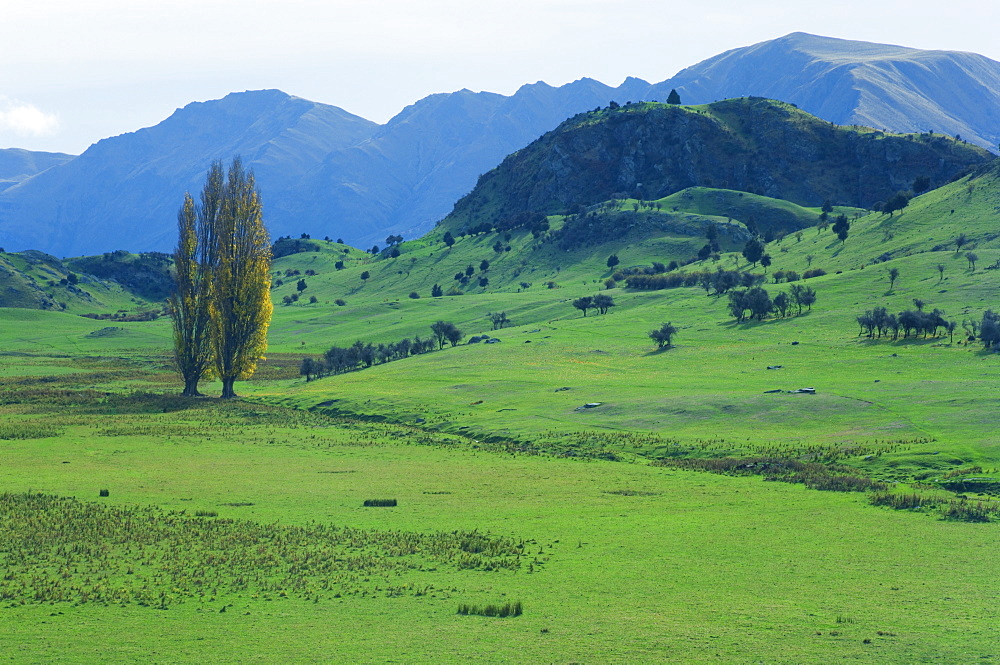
(623, 562)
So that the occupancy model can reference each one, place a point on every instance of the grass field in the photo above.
(237, 532)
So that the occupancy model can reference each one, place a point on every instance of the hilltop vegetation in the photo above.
(649, 151)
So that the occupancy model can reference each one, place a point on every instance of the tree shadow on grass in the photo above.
(660, 351)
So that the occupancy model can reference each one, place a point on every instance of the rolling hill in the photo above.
(650, 150)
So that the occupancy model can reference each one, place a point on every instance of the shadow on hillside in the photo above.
(657, 352)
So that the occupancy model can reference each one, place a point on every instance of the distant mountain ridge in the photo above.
(324, 171)
(895, 88)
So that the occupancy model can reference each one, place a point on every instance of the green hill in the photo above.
(648, 151)
(119, 283)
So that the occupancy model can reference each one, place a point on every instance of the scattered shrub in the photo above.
(380, 503)
(104, 493)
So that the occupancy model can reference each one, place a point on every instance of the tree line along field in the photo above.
(613, 557)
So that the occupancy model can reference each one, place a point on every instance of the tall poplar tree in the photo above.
(221, 305)
(241, 283)
(189, 302)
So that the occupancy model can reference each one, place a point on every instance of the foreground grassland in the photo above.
(613, 561)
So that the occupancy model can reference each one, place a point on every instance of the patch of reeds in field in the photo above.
(959, 509)
(514, 609)
(814, 475)
(56, 549)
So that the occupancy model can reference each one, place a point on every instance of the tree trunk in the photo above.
(191, 388)
(227, 388)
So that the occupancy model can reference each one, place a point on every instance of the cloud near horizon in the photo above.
(26, 119)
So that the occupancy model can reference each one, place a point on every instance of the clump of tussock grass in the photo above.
(514, 609)
(959, 509)
(206, 513)
(900, 501)
(962, 510)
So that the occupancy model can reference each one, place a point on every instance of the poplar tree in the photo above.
(221, 305)
(188, 303)
(240, 306)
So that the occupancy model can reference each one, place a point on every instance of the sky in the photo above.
(75, 71)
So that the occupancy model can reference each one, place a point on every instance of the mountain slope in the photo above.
(412, 170)
(850, 82)
(125, 191)
(17, 165)
(649, 151)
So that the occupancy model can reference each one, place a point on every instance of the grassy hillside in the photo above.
(118, 283)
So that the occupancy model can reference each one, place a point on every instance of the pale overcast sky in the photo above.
(75, 71)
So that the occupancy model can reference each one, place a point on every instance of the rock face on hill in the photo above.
(756, 145)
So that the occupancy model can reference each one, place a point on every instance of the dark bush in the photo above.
(380, 503)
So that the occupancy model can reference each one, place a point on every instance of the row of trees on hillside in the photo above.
(221, 304)
(878, 323)
(756, 303)
(359, 355)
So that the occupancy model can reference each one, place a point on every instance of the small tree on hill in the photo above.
(960, 242)
(673, 97)
(841, 227)
(449, 240)
(603, 302)
(613, 261)
(498, 319)
(972, 258)
(584, 304)
(436, 291)
(445, 331)
(893, 276)
(781, 303)
(663, 335)
(753, 250)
